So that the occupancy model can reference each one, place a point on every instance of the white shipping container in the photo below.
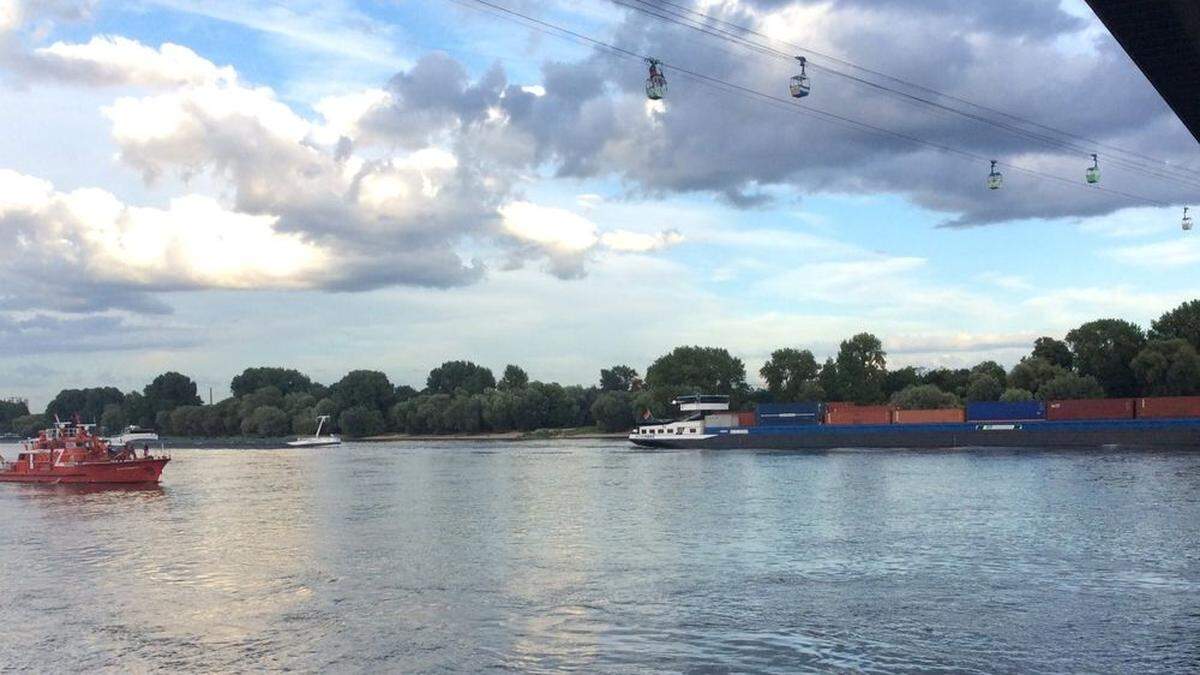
(723, 420)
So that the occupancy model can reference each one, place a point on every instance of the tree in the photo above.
(613, 411)
(830, 381)
(1031, 373)
(990, 368)
(169, 391)
(984, 387)
(696, 370)
(27, 426)
(951, 380)
(899, 380)
(791, 374)
(1183, 323)
(619, 378)
(11, 409)
(1104, 350)
(285, 380)
(88, 403)
(514, 378)
(1015, 395)
(453, 376)
(1168, 368)
(112, 419)
(924, 397)
(861, 368)
(1054, 352)
(368, 388)
(359, 420)
(1070, 386)
(267, 421)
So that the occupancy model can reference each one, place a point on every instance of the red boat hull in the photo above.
(112, 472)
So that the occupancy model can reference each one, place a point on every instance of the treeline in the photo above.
(1108, 357)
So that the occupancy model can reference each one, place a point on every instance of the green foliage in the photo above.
(613, 411)
(1031, 373)
(1054, 352)
(984, 386)
(924, 397)
(360, 421)
(1016, 395)
(990, 368)
(1104, 350)
(1183, 323)
(1168, 368)
(899, 380)
(10, 410)
(169, 391)
(954, 381)
(705, 370)
(368, 388)
(1070, 386)
(89, 404)
(267, 421)
(619, 378)
(514, 378)
(791, 375)
(831, 381)
(112, 419)
(454, 376)
(861, 369)
(27, 426)
(286, 380)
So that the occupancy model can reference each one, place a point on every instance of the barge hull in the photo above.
(1176, 434)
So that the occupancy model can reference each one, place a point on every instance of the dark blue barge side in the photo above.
(1142, 433)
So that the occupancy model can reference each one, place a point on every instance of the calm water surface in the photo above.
(590, 556)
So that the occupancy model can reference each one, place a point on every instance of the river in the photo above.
(595, 557)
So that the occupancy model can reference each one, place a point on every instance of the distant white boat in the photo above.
(133, 434)
(317, 440)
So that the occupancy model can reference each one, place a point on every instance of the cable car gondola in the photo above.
(995, 179)
(799, 85)
(1187, 220)
(656, 84)
(1093, 172)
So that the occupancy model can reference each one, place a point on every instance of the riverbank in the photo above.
(253, 443)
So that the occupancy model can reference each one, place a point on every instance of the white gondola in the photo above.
(1187, 220)
(799, 85)
(1093, 172)
(995, 179)
(656, 84)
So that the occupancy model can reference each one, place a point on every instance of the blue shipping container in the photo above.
(776, 414)
(999, 411)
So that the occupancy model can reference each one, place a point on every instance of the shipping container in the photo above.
(776, 414)
(860, 414)
(745, 419)
(940, 416)
(999, 411)
(839, 405)
(1169, 406)
(720, 420)
(1091, 409)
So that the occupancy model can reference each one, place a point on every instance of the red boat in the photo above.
(71, 453)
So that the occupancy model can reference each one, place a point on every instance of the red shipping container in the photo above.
(839, 405)
(941, 416)
(860, 414)
(746, 419)
(1091, 409)
(1172, 406)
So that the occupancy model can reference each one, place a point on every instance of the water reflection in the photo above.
(587, 556)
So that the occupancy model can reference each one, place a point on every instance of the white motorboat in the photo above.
(133, 434)
(317, 440)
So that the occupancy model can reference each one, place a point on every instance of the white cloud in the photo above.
(117, 60)
(1181, 252)
(557, 229)
(640, 242)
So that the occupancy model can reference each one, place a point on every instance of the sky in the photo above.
(205, 186)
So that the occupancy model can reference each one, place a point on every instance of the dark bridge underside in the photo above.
(1163, 39)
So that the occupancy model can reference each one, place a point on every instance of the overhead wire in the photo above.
(676, 18)
(550, 28)
(698, 15)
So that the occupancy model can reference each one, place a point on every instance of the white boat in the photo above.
(133, 434)
(317, 440)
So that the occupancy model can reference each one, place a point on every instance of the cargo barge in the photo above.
(1142, 423)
